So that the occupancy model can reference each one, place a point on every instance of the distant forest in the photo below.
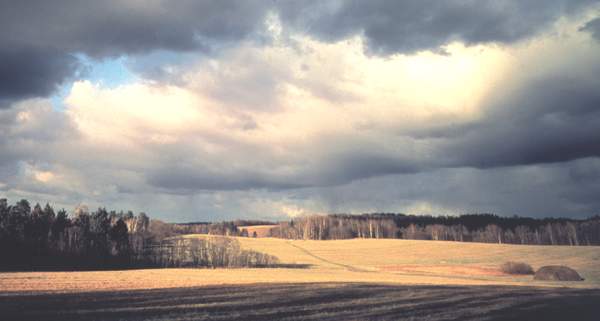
(485, 228)
(39, 237)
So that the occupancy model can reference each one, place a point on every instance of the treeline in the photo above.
(487, 228)
(228, 228)
(41, 238)
(197, 252)
(32, 237)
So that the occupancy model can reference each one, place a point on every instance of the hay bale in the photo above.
(557, 273)
(519, 268)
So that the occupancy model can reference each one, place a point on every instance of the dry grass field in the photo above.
(261, 230)
(380, 279)
(357, 260)
(428, 262)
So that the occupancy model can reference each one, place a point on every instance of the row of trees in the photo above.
(196, 252)
(40, 237)
(229, 228)
(568, 233)
(335, 227)
(486, 228)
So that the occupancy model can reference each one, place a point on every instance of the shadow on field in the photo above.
(288, 266)
(329, 301)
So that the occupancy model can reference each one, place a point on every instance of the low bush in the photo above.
(516, 268)
(557, 273)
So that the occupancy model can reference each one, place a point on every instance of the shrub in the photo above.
(557, 273)
(516, 268)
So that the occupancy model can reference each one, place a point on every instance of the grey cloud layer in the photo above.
(554, 119)
(593, 27)
(31, 131)
(39, 38)
(562, 189)
(115, 27)
(27, 72)
(391, 26)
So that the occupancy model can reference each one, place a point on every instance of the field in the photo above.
(260, 230)
(310, 301)
(375, 279)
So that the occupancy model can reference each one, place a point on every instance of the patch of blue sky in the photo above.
(109, 73)
(160, 65)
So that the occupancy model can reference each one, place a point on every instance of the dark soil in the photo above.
(335, 301)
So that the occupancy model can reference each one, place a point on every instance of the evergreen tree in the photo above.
(120, 238)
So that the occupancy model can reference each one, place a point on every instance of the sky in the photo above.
(215, 110)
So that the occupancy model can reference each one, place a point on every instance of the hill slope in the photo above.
(427, 261)
(357, 260)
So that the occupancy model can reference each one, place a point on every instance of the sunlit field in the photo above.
(359, 279)
(356, 260)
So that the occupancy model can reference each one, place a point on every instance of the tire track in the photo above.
(345, 266)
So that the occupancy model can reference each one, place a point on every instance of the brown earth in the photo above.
(310, 301)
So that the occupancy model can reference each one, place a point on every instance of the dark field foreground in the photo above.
(331, 301)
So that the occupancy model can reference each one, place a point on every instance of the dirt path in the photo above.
(345, 266)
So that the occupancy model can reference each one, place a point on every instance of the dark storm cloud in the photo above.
(31, 72)
(593, 27)
(567, 189)
(45, 34)
(115, 27)
(586, 171)
(38, 38)
(391, 26)
(178, 179)
(551, 120)
(332, 161)
(357, 161)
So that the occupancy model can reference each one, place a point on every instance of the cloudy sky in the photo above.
(208, 110)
